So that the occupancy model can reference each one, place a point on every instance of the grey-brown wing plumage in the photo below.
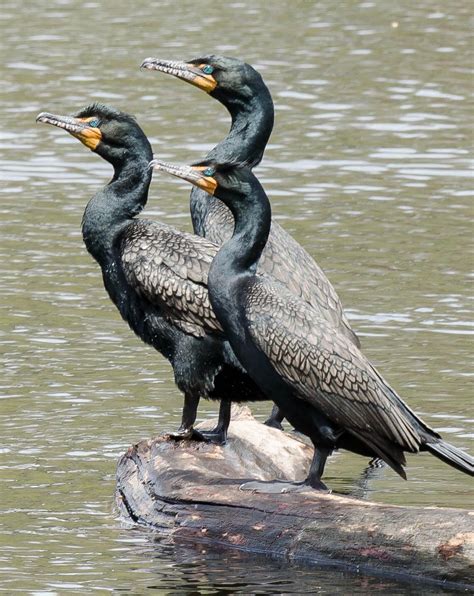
(287, 262)
(328, 370)
(170, 268)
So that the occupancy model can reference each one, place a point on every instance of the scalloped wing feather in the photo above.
(170, 269)
(325, 368)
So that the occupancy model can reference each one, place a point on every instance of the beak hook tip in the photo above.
(146, 63)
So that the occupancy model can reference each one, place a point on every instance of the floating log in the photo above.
(191, 491)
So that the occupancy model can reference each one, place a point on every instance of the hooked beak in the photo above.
(183, 70)
(78, 127)
(193, 174)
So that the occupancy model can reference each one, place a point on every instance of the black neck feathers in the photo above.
(120, 200)
(252, 215)
(252, 124)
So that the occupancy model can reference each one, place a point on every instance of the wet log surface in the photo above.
(191, 491)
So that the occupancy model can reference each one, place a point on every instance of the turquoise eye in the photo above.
(208, 69)
(209, 172)
(94, 123)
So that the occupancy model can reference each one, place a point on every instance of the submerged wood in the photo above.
(191, 491)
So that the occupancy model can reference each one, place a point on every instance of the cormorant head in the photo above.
(229, 80)
(114, 135)
(230, 182)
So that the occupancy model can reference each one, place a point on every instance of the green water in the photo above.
(368, 166)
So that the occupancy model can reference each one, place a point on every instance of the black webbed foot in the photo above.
(186, 434)
(216, 436)
(282, 487)
(273, 423)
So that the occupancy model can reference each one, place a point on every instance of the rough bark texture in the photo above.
(191, 491)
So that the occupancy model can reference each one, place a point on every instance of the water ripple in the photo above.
(367, 167)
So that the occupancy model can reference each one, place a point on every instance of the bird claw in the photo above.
(191, 434)
(216, 437)
(280, 487)
(185, 434)
(272, 423)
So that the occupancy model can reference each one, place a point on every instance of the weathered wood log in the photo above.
(191, 491)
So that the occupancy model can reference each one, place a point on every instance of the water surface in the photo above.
(368, 166)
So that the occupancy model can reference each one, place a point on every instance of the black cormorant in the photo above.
(320, 380)
(154, 274)
(241, 89)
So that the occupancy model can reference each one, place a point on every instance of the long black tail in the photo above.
(451, 455)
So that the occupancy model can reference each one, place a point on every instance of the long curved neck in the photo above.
(240, 254)
(252, 124)
(130, 184)
(116, 204)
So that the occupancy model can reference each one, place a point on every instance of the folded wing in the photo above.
(170, 269)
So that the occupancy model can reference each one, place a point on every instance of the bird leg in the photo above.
(275, 418)
(317, 468)
(313, 480)
(186, 430)
(219, 434)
